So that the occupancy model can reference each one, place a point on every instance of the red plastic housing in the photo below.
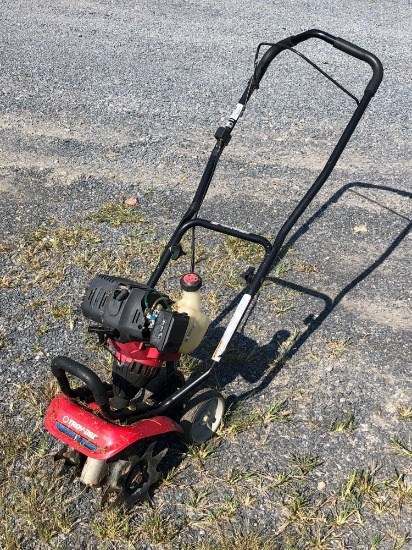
(87, 432)
(137, 351)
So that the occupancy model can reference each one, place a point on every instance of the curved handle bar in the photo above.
(60, 365)
(339, 43)
(366, 56)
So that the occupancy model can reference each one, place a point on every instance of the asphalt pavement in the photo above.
(101, 100)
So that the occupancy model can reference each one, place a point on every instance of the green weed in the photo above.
(117, 214)
(345, 423)
(305, 463)
(401, 447)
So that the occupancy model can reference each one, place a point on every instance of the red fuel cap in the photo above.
(190, 282)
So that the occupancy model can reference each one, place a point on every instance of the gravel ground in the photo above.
(103, 100)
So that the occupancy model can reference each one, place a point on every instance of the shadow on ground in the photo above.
(260, 365)
(267, 353)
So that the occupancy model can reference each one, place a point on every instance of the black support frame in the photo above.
(223, 136)
(190, 220)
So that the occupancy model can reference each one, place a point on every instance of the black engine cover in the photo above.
(119, 304)
(168, 331)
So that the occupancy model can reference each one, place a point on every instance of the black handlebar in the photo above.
(60, 365)
(339, 43)
(363, 55)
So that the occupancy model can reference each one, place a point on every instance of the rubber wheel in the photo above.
(202, 416)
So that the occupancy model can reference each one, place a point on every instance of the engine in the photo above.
(139, 325)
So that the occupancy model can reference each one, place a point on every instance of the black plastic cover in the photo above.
(118, 303)
(121, 305)
(168, 331)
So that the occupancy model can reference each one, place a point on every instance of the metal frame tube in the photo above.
(61, 365)
(272, 251)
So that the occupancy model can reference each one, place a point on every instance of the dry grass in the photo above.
(116, 214)
(3, 338)
(239, 418)
(39, 508)
(343, 423)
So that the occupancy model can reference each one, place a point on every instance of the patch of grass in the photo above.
(4, 248)
(94, 260)
(282, 309)
(400, 540)
(305, 268)
(244, 250)
(337, 347)
(305, 463)
(405, 412)
(401, 447)
(64, 310)
(250, 540)
(244, 539)
(12, 279)
(45, 253)
(235, 476)
(224, 274)
(277, 412)
(237, 419)
(158, 528)
(40, 511)
(13, 443)
(61, 239)
(10, 540)
(171, 477)
(322, 523)
(3, 338)
(376, 541)
(37, 303)
(38, 397)
(347, 509)
(191, 365)
(298, 508)
(235, 355)
(399, 490)
(282, 303)
(281, 478)
(285, 348)
(196, 497)
(281, 268)
(345, 423)
(142, 244)
(203, 250)
(117, 214)
(47, 278)
(227, 508)
(204, 451)
(43, 329)
(214, 302)
(114, 524)
(360, 483)
(60, 310)
(33, 506)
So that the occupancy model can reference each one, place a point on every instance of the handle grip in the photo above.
(339, 43)
(363, 55)
(62, 365)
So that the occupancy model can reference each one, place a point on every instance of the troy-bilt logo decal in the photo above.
(79, 428)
